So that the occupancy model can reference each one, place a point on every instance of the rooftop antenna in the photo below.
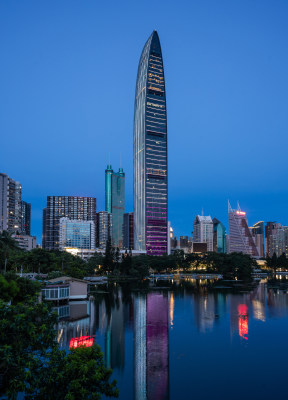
(109, 157)
(238, 206)
(229, 207)
(202, 212)
(120, 160)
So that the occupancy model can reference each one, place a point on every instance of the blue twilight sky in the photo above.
(67, 81)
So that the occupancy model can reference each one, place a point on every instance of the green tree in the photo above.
(108, 262)
(79, 375)
(126, 263)
(282, 261)
(8, 246)
(179, 257)
(30, 358)
(8, 290)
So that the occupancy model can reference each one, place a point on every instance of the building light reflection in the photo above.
(243, 321)
(171, 308)
(86, 341)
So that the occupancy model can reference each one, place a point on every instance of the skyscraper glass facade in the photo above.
(128, 231)
(219, 236)
(77, 233)
(26, 218)
(115, 202)
(150, 180)
(103, 228)
(240, 237)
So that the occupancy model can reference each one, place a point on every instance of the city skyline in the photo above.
(232, 104)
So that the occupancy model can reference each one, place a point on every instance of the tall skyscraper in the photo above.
(115, 202)
(257, 231)
(25, 218)
(10, 204)
(219, 236)
(203, 231)
(103, 228)
(270, 229)
(150, 173)
(240, 237)
(72, 207)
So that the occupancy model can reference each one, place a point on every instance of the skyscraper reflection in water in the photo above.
(151, 351)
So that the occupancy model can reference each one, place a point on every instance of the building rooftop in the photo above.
(65, 279)
(204, 218)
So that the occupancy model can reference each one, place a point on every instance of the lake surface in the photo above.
(186, 340)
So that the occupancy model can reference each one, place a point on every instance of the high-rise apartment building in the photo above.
(25, 218)
(219, 236)
(240, 237)
(44, 228)
(77, 233)
(115, 202)
(128, 231)
(203, 231)
(10, 204)
(270, 229)
(150, 169)
(25, 242)
(278, 240)
(103, 228)
(257, 231)
(72, 207)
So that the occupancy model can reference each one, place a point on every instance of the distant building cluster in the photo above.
(15, 214)
(72, 223)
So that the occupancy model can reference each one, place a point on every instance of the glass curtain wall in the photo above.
(150, 152)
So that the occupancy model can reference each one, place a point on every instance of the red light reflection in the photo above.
(81, 341)
(243, 321)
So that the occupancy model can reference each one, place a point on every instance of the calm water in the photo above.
(184, 340)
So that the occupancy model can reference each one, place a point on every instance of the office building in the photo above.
(10, 204)
(278, 241)
(128, 231)
(219, 236)
(44, 228)
(115, 202)
(77, 233)
(103, 228)
(203, 231)
(270, 229)
(199, 247)
(72, 207)
(25, 218)
(150, 173)
(240, 237)
(257, 231)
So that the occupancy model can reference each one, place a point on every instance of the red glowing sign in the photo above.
(243, 321)
(86, 341)
(240, 213)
